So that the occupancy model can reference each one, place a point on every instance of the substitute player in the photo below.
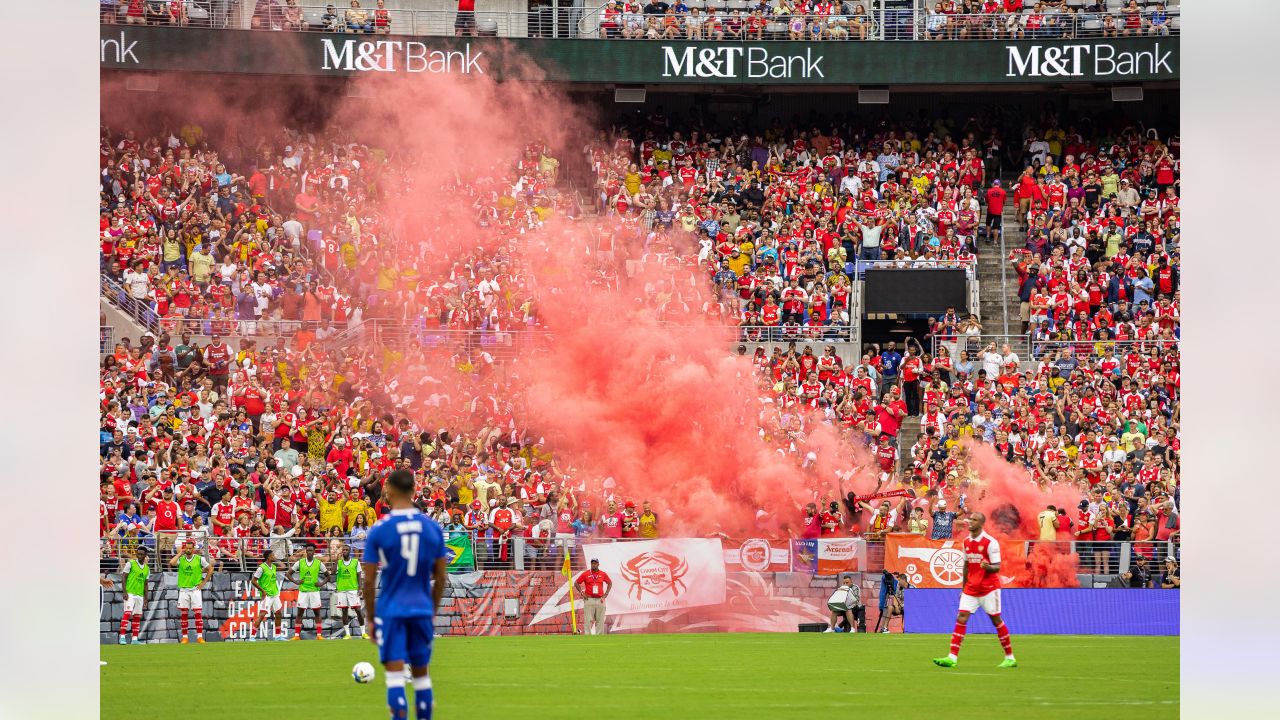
(347, 591)
(264, 579)
(981, 590)
(135, 571)
(193, 572)
(409, 547)
(306, 573)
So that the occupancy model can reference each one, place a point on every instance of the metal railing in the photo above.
(969, 266)
(724, 20)
(279, 16)
(1050, 25)
(975, 345)
(1099, 348)
(106, 340)
(727, 20)
(138, 310)
(487, 550)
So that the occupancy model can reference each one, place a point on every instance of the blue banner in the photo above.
(1104, 611)
(804, 555)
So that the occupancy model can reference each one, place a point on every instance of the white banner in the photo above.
(654, 575)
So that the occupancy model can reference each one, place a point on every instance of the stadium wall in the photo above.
(480, 603)
(1118, 611)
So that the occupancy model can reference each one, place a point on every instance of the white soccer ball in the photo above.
(362, 672)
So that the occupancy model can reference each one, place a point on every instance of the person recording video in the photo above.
(846, 605)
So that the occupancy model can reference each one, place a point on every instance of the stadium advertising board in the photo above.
(750, 63)
(665, 574)
(1057, 611)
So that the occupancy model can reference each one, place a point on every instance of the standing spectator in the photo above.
(594, 584)
(995, 211)
(166, 525)
(382, 19)
(465, 22)
(943, 521)
(648, 522)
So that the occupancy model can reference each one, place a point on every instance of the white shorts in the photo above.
(347, 599)
(990, 603)
(309, 600)
(132, 603)
(190, 599)
(269, 604)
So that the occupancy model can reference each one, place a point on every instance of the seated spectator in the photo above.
(358, 19)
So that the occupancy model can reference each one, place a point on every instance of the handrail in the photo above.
(1052, 25)
(878, 23)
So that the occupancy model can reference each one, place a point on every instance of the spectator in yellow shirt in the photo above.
(355, 505)
(330, 512)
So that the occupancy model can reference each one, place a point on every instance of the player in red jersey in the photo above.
(981, 590)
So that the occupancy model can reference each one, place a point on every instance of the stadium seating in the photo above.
(306, 369)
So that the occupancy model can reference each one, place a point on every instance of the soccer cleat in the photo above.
(1008, 663)
(295, 637)
(183, 640)
(364, 635)
(944, 662)
(124, 640)
(319, 635)
(829, 630)
(884, 630)
(136, 641)
(199, 641)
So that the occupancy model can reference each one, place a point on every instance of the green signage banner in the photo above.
(1116, 60)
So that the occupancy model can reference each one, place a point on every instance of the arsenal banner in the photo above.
(663, 574)
(926, 563)
(758, 555)
(839, 555)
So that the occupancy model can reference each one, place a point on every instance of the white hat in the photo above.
(340, 441)
(296, 471)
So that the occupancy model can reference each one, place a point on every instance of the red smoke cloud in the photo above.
(1009, 498)
(663, 409)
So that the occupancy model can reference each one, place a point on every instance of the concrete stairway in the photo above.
(993, 289)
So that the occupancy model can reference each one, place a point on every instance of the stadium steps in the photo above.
(992, 288)
(907, 435)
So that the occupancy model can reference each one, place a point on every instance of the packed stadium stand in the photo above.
(246, 374)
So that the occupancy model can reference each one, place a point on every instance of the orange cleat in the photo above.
(183, 640)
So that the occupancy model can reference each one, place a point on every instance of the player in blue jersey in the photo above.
(409, 549)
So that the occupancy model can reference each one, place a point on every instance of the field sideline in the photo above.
(740, 676)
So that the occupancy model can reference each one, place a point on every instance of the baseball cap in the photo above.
(595, 560)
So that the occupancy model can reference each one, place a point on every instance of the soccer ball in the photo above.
(362, 672)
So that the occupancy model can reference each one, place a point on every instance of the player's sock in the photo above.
(124, 625)
(957, 637)
(423, 698)
(199, 623)
(297, 627)
(137, 625)
(184, 624)
(395, 696)
(1002, 632)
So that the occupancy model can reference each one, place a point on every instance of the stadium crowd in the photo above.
(236, 448)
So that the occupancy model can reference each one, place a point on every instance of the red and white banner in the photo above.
(663, 574)
(757, 555)
(926, 563)
(838, 555)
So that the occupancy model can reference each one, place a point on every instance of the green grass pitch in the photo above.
(671, 677)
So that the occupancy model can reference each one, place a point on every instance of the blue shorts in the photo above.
(406, 639)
